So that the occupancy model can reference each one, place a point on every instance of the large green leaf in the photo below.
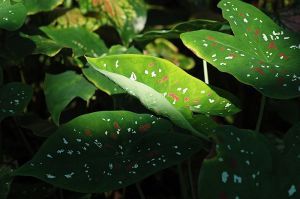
(260, 53)
(5, 181)
(178, 87)
(104, 151)
(35, 6)
(44, 45)
(12, 16)
(179, 28)
(79, 39)
(61, 89)
(14, 97)
(127, 16)
(240, 167)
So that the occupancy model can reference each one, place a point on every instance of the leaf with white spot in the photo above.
(14, 97)
(79, 39)
(5, 181)
(240, 166)
(260, 53)
(104, 151)
(35, 6)
(183, 91)
(12, 16)
(61, 89)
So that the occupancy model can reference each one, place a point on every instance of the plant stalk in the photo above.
(183, 187)
(205, 71)
(191, 178)
(141, 193)
(261, 113)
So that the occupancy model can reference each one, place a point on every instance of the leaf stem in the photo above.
(205, 71)
(261, 113)
(141, 193)
(182, 182)
(191, 178)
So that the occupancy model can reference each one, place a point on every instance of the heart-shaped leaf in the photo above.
(14, 97)
(79, 39)
(240, 167)
(260, 53)
(61, 89)
(178, 87)
(43, 45)
(35, 6)
(179, 28)
(104, 151)
(12, 16)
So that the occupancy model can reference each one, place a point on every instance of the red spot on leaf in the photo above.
(186, 99)
(116, 125)
(272, 45)
(222, 49)
(164, 79)
(114, 136)
(145, 127)
(259, 70)
(88, 132)
(214, 44)
(280, 80)
(242, 14)
(174, 96)
(232, 55)
(257, 31)
(210, 38)
(283, 56)
(151, 64)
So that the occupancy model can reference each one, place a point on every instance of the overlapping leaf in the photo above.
(260, 53)
(61, 89)
(79, 39)
(104, 151)
(35, 6)
(241, 168)
(12, 16)
(14, 97)
(180, 89)
(5, 181)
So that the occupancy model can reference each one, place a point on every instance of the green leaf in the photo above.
(12, 16)
(74, 18)
(5, 181)
(118, 49)
(14, 97)
(179, 28)
(1, 75)
(240, 166)
(105, 151)
(61, 89)
(179, 88)
(35, 6)
(79, 39)
(260, 53)
(43, 45)
(167, 50)
(127, 16)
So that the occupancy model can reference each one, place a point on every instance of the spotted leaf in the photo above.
(79, 39)
(104, 151)
(14, 97)
(179, 88)
(35, 6)
(61, 89)
(240, 167)
(12, 16)
(5, 181)
(260, 53)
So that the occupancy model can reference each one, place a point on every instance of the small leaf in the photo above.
(14, 97)
(5, 181)
(105, 151)
(179, 28)
(12, 16)
(43, 45)
(79, 39)
(239, 167)
(167, 50)
(180, 89)
(61, 89)
(35, 6)
(260, 53)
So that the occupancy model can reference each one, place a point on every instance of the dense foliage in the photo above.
(100, 95)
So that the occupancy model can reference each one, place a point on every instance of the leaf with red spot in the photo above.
(260, 53)
(100, 162)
